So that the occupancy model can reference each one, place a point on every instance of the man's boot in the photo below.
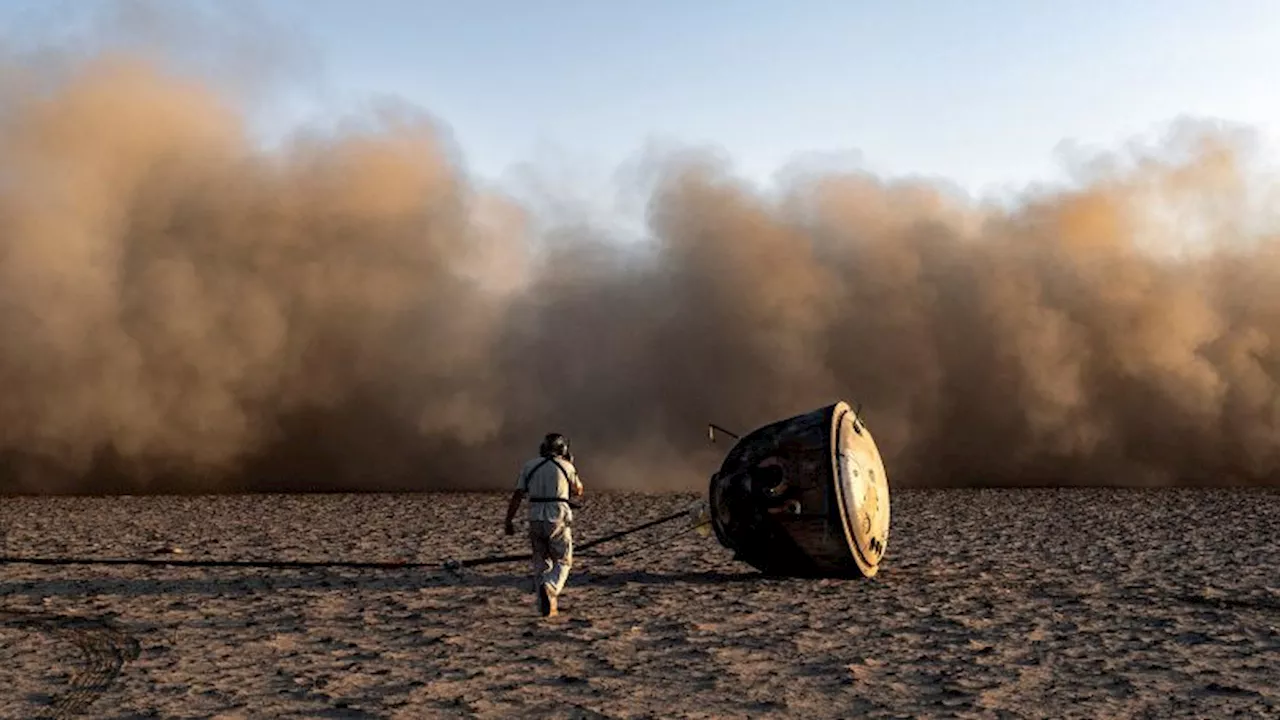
(546, 601)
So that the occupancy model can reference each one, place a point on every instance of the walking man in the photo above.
(548, 480)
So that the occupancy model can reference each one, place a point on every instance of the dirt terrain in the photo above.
(1000, 604)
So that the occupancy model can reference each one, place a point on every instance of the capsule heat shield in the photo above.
(806, 496)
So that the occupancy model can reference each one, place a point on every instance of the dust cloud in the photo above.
(184, 309)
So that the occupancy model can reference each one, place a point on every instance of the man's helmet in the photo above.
(555, 444)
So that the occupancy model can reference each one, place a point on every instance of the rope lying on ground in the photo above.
(493, 560)
(655, 544)
(452, 565)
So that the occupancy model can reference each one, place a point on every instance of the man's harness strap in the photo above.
(559, 467)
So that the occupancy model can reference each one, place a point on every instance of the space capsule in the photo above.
(804, 497)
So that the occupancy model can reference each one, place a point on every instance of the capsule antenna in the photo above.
(711, 432)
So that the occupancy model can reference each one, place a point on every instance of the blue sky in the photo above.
(979, 92)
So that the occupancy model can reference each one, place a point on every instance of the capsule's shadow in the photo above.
(644, 577)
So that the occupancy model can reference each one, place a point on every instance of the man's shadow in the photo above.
(230, 583)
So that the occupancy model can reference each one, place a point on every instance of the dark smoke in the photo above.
(183, 309)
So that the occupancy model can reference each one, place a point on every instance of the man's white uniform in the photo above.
(548, 482)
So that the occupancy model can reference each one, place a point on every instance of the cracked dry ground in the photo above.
(994, 603)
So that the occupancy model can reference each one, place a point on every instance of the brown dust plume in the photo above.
(184, 310)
